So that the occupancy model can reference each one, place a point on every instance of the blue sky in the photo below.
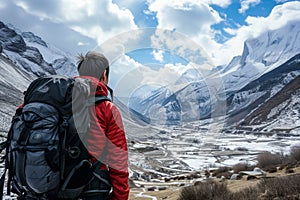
(213, 29)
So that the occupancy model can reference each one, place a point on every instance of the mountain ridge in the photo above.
(261, 59)
(243, 77)
(34, 55)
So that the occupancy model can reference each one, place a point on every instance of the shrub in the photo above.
(295, 153)
(250, 193)
(224, 174)
(220, 170)
(280, 187)
(275, 188)
(268, 159)
(288, 162)
(205, 191)
(271, 169)
(242, 167)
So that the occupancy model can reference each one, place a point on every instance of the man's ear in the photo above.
(104, 78)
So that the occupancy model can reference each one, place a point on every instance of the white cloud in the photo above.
(177, 15)
(2, 5)
(245, 5)
(128, 75)
(230, 31)
(221, 3)
(180, 45)
(192, 19)
(187, 16)
(100, 20)
(48, 30)
(158, 55)
(281, 1)
(125, 76)
(130, 4)
(279, 17)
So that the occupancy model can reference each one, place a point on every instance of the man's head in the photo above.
(94, 64)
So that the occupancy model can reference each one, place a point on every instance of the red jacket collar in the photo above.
(98, 87)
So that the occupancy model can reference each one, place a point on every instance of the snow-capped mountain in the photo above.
(280, 112)
(193, 102)
(261, 55)
(34, 55)
(269, 100)
(151, 106)
(249, 81)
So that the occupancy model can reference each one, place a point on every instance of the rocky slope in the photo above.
(32, 54)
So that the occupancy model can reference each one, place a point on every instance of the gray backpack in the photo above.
(45, 156)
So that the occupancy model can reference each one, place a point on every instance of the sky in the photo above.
(153, 42)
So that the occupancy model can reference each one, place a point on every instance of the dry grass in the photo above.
(275, 188)
(204, 190)
(170, 194)
(237, 189)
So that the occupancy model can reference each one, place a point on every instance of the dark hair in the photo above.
(92, 64)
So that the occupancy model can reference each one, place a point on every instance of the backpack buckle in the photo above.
(74, 152)
(65, 122)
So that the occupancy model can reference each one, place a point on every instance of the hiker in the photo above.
(67, 139)
(106, 139)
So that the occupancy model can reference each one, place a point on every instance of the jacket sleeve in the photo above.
(116, 156)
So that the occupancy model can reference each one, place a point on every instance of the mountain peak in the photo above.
(30, 37)
(262, 54)
(32, 54)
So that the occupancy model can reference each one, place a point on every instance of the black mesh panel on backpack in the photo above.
(38, 134)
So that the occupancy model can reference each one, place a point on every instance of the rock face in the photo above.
(271, 101)
(10, 40)
(34, 55)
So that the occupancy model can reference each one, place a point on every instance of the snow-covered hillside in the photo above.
(13, 83)
(255, 96)
(34, 55)
(261, 55)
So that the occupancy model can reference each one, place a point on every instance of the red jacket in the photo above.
(107, 142)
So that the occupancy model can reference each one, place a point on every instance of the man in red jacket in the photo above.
(106, 140)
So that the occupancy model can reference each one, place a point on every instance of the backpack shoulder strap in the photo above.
(101, 98)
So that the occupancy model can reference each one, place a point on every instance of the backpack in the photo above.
(45, 153)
